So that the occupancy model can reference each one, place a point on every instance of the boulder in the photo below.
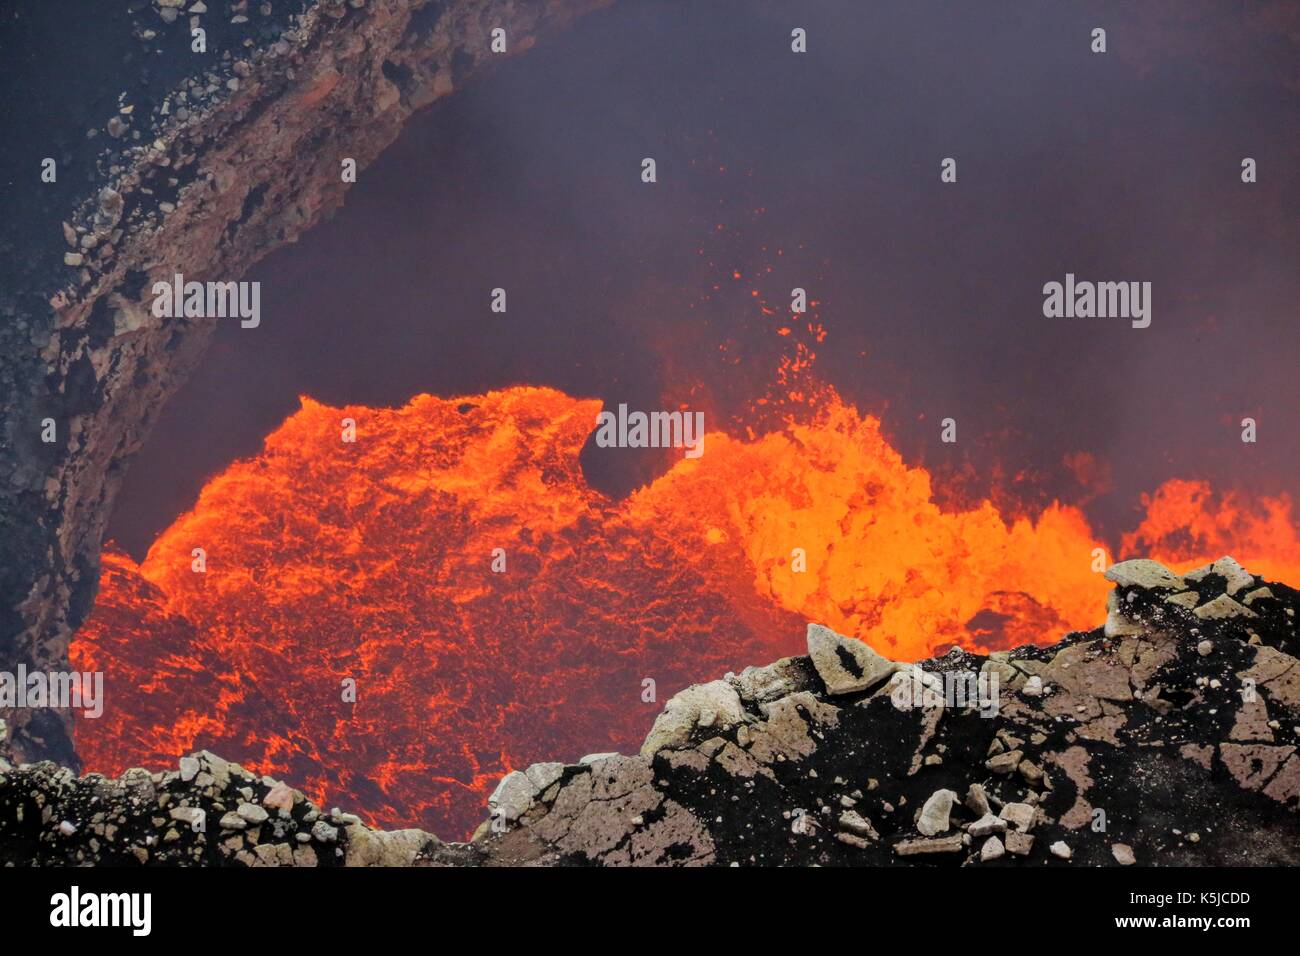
(713, 706)
(512, 796)
(846, 666)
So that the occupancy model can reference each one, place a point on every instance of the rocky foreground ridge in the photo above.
(1166, 737)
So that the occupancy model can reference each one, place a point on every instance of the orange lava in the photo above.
(372, 561)
(883, 562)
(1188, 525)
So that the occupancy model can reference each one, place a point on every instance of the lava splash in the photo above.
(395, 622)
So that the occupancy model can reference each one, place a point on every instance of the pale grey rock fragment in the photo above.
(1144, 573)
(846, 666)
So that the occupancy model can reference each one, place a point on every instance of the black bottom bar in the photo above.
(338, 906)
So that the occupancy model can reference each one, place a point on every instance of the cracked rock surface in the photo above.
(1168, 738)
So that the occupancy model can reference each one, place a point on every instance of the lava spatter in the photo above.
(371, 561)
(369, 564)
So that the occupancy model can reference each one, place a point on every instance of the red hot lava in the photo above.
(332, 565)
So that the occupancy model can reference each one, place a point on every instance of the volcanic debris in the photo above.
(1129, 744)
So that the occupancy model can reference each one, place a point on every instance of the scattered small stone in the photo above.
(1061, 850)
(1033, 687)
(1123, 854)
(987, 825)
(992, 850)
(977, 800)
(279, 797)
(1004, 763)
(1258, 594)
(1205, 648)
(324, 833)
(252, 813)
(852, 840)
(858, 825)
(1223, 608)
(1019, 843)
(1019, 815)
(934, 814)
(1031, 772)
(190, 815)
(948, 844)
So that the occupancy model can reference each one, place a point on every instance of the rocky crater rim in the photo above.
(1166, 736)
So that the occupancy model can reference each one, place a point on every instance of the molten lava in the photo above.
(1187, 525)
(332, 564)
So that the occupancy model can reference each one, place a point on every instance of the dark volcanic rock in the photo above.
(1171, 741)
(208, 813)
(170, 162)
